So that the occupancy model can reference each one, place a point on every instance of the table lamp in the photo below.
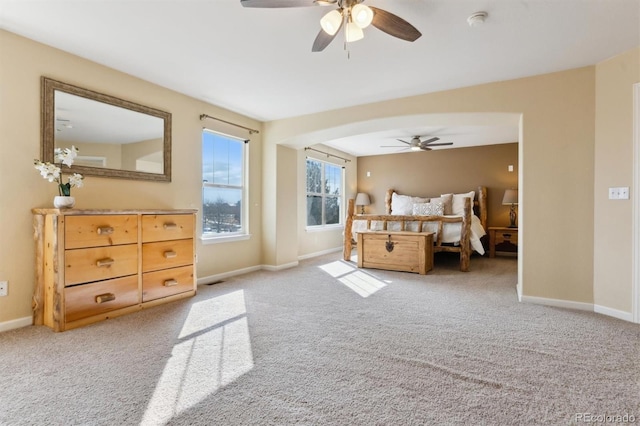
(511, 199)
(362, 200)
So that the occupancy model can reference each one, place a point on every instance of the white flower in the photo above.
(67, 155)
(48, 171)
(52, 172)
(76, 180)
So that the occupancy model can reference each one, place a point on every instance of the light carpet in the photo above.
(328, 344)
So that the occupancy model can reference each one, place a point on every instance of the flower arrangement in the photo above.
(53, 172)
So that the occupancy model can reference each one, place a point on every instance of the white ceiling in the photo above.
(258, 62)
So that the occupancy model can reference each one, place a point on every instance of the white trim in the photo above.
(16, 323)
(558, 303)
(228, 239)
(320, 228)
(635, 226)
(217, 277)
(519, 291)
(626, 316)
(319, 253)
(273, 268)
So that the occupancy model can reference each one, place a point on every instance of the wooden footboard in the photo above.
(465, 238)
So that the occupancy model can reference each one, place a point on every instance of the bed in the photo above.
(458, 221)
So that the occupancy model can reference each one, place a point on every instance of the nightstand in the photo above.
(504, 236)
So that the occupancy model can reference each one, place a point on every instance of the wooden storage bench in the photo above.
(396, 251)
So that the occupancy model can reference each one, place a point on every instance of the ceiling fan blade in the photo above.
(323, 40)
(425, 148)
(433, 139)
(439, 144)
(393, 25)
(391, 146)
(400, 140)
(277, 3)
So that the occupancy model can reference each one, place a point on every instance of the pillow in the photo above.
(401, 204)
(457, 205)
(446, 200)
(428, 209)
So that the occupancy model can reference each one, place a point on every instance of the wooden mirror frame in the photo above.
(48, 121)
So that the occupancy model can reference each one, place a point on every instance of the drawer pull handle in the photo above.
(170, 283)
(105, 262)
(170, 226)
(107, 297)
(105, 230)
(170, 254)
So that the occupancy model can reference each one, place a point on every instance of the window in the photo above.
(324, 193)
(223, 185)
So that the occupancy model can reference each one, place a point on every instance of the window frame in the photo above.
(243, 232)
(340, 197)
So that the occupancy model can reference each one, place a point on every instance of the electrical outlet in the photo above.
(619, 193)
(4, 288)
(623, 193)
(613, 193)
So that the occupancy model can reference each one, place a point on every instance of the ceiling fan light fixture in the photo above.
(331, 22)
(353, 32)
(362, 15)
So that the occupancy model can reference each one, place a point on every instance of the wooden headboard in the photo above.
(479, 204)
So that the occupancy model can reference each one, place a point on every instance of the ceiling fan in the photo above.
(354, 15)
(419, 145)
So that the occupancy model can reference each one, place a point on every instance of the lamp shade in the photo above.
(331, 22)
(362, 15)
(362, 199)
(353, 32)
(510, 197)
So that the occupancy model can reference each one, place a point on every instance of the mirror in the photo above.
(114, 137)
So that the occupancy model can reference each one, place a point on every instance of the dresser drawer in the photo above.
(511, 237)
(166, 254)
(99, 263)
(167, 282)
(100, 230)
(165, 227)
(85, 300)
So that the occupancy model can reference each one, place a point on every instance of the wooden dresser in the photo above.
(396, 251)
(92, 265)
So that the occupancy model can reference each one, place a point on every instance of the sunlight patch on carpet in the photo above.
(355, 279)
(214, 350)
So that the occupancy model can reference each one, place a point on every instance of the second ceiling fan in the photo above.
(354, 15)
(417, 144)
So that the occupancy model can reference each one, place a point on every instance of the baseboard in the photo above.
(625, 316)
(319, 253)
(519, 291)
(274, 268)
(217, 277)
(558, 303)
(16, 323)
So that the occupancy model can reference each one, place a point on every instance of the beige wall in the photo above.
(318, 241)
(111, 152)
(22, 63)
(438, 172)
(555, 161)
(614, 167)
(132, 152)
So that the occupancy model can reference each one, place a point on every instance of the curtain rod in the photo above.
(251, 131)
(346, 160)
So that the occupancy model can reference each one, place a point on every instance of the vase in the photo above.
(63, 202)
